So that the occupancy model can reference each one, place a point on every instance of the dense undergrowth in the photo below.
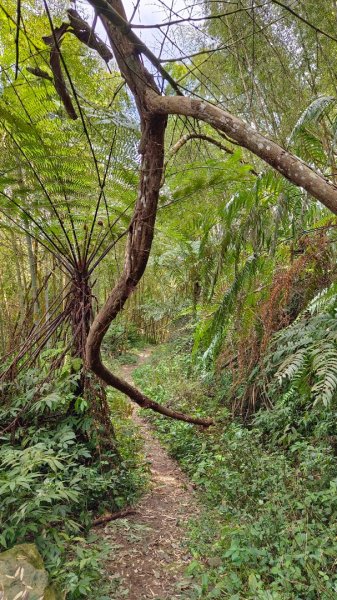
(268, 530)
(268, 486)
(56, 476)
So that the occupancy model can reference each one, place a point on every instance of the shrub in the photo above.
(54, 476)
(269, 528)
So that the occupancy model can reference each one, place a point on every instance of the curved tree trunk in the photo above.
(141, 229)
(137, 253)
(154, 109)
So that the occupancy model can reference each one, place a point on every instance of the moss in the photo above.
(22, 570)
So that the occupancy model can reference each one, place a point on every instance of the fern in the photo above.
(309, 137)
(309, 146)
(324, 300)
(293, 367)
(209, 335)
(324, 362)
(313, 113)
(306, 351)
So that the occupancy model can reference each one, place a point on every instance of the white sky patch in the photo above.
(152, 12)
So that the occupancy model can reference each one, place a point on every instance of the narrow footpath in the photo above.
(149, 553)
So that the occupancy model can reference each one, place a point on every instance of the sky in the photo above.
(151, 12)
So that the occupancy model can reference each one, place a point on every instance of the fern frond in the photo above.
(324, 363)
(293, 366)
(313, 113)
(210, 334)
(309, 146)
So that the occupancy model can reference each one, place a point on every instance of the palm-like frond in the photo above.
(63, 185)
(313, 113)
(209, 335)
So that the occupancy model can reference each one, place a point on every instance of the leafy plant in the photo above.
(53, 481)
(268, 529)
(305, 354)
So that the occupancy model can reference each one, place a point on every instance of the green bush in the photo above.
(269, 528)
(53, 480)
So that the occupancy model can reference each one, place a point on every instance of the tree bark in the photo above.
(123, 37)
(290, 166)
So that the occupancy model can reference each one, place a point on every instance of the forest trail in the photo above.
(149, 554)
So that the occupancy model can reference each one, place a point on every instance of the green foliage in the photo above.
(224, 228)
(269, 526)
(79, 568)
(53, 481)
(211, 334)
(121, 340)
(314, 112)
(314, 135)
(304, 355)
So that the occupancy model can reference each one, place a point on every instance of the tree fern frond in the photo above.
(293, 366)
(324, 363)
(313, 113)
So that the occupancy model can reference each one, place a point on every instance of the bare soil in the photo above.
(149, 553)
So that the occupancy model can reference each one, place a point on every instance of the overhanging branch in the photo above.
(139, 244)
(154, 109)
(206, 138)
(292, 167)
(289, 165)
(144, 402)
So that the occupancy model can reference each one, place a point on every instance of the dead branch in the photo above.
(119, 514)
(144, 401)
(54, 41)
(85, 34)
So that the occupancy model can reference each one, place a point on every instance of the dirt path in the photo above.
(151, 557)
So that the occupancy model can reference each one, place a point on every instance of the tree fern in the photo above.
(324, 363)
(307, 350)
(58, 173)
